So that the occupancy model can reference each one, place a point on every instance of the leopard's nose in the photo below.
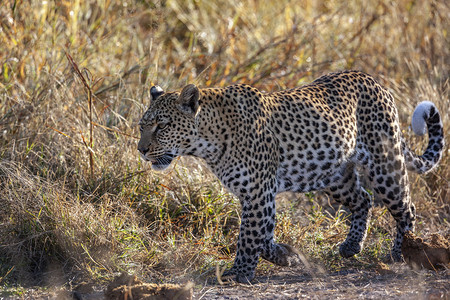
(143, 150)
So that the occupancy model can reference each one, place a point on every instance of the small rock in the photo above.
(383, 269)
(130, 287)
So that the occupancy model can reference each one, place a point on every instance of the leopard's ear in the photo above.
(155, 92)
(187, 102)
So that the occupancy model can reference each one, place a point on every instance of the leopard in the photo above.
(339, 134)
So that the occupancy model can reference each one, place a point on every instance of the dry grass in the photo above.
(65, 217)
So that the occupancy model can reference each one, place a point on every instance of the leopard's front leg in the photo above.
(256, 237)
(248, 247)
(253, 179)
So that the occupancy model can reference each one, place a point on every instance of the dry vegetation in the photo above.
(76, 202)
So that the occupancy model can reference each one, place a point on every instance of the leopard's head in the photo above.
(169, 128)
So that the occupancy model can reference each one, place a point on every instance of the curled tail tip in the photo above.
(425, 118)
(420, 115)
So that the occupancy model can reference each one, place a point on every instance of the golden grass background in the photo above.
(60, 223)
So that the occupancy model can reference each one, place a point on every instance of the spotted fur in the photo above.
(322, 136)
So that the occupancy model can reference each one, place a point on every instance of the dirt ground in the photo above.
(397, 282)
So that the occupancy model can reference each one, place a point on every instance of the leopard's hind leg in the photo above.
(390, 184)
(349, 192)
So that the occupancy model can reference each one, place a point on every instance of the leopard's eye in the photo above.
(161, 126)
(141, 128)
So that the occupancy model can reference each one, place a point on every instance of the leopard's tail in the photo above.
(426, 115)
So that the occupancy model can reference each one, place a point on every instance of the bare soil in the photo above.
(393, 281)
(397, 281)
(400, 282)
